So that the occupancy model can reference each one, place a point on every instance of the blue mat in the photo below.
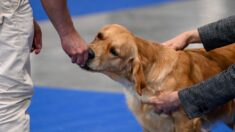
(220, 127)
(60, 110)
(84, 7)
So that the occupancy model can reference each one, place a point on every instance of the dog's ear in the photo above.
(138, 76)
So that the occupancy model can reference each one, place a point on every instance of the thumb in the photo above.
(150, 100)
(166, 43)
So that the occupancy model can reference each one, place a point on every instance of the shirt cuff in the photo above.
(189, 107)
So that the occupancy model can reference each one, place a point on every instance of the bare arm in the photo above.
(72, 43)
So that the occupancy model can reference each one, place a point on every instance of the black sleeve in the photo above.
(206, 96)
(218, 34)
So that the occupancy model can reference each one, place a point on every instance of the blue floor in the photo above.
(84, 7)
(59, 110)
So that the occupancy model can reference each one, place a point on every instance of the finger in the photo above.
(150, 101)
(154, 100)
(85, 57)
(38, 44)
(171, 45)
(37, 39)
(38, 48)
(158, 111)
(33, 45)
(37, 51)
(79, 60)
(167, 110)
(83, 60)
(74, 59)
(174, 109)
(32, 49)
(166, 42)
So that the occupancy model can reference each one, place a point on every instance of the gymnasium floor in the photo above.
(68, 99)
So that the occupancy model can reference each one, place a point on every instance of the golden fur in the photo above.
(145, 68)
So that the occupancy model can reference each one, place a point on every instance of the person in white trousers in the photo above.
(20, 35)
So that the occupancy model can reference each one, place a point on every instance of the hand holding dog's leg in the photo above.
(165, 102)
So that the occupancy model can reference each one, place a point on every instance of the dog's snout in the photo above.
(91, 54)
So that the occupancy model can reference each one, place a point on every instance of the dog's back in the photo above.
(220, 58)
(211, 63)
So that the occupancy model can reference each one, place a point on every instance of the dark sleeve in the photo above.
(218, 34)
(206, 96)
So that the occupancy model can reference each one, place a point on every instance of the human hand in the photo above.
(165, 102)
(75, 47)
(71, 41)
(183, 40)
(37, 39)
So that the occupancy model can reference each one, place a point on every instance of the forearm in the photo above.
(218, 34)
(58, 13)
(208, 95)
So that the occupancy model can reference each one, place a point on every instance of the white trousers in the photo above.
(16, 34)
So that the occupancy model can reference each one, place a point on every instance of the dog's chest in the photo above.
(145, 114)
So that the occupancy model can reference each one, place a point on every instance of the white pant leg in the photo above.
(16, 32)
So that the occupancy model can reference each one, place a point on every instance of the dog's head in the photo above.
(114, 52)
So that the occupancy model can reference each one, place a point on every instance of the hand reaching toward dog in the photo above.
(183, 40)
(165, 102)
(75, 47)
(72, 43)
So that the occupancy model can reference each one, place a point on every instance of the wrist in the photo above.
(67, 33)
(72, 35)
(192, 36)
(176, 98)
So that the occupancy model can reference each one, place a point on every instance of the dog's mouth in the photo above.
(86, 67)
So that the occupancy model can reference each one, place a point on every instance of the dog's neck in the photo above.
(157, 61)
(155, 55)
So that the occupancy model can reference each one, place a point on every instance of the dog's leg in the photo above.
(145, 130)
(183, 124)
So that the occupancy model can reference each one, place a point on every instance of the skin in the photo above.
(71, 41)
(168, 101)
(37, 39)
(183, 40)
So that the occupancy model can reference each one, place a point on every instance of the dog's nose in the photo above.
(91, 54)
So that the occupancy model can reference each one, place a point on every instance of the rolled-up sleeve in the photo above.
(206, 96)
(218, 34)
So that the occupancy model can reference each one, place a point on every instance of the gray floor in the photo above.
(157, 22)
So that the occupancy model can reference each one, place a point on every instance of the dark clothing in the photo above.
(206, 96)
(218, 34)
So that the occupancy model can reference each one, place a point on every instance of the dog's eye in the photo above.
(113, 52)
(100, 36)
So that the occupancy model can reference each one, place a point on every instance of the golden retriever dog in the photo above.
(145, 68)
